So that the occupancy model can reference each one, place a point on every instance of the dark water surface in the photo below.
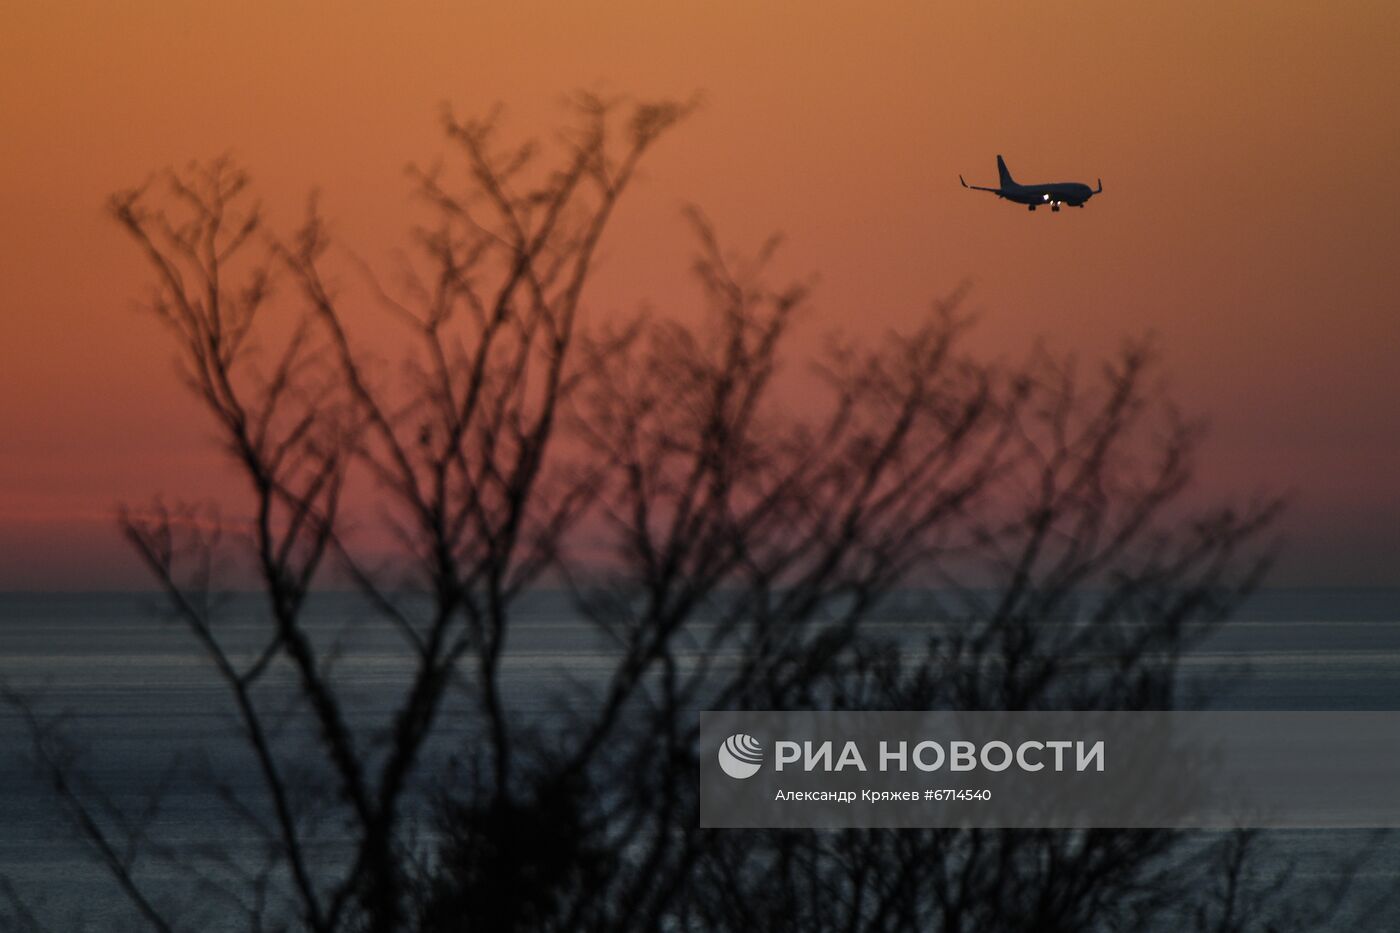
(137, 694)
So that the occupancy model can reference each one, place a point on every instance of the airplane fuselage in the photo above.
(1072, 193)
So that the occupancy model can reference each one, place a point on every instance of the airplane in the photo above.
(1066, 192)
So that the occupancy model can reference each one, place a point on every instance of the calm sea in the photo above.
(136, 694)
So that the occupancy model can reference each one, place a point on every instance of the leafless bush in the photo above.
(732, 549)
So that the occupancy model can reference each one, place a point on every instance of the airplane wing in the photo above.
(977, 187)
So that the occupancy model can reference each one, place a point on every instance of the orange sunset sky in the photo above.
(1250, 154)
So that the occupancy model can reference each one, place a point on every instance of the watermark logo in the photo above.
(741, 755)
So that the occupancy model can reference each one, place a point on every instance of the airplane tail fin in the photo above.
(1006, 180)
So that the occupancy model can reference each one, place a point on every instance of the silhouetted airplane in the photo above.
(1065, 192)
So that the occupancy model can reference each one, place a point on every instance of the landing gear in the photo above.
(1030, 207)
(1055, 206)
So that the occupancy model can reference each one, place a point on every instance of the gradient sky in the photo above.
(1250, 154)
